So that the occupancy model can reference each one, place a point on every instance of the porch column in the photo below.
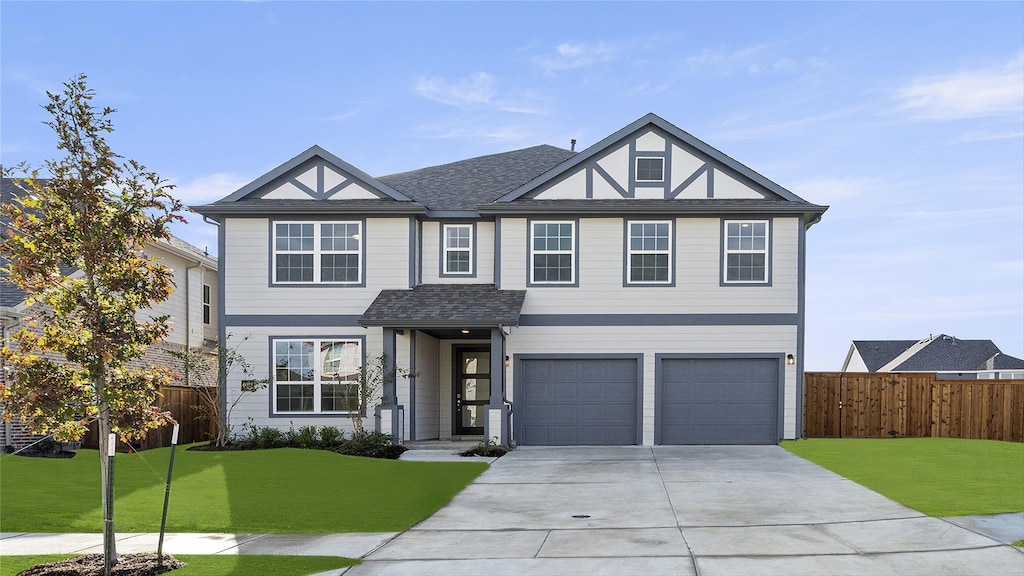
(496, 423)
(390, 416)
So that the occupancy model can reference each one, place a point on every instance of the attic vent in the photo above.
(572, 145)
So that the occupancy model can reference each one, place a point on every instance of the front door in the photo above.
(472, 372)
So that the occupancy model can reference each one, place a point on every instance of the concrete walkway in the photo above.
(636, 510)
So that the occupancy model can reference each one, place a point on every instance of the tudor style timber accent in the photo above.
(647, 289)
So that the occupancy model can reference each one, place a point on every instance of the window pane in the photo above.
(293, 361)
(339, 361)
(746, 268)
(339, 267)
(648, 268)
(294, 267)
(339, 397)
(294, 397)
(650, 169)
(552, 267)
(458, 261)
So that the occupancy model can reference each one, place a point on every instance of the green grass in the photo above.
(220, 565)
(936, 476)
(286, 490)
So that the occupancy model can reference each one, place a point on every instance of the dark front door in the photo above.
(472, 373)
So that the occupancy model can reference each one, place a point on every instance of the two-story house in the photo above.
(191, 308)
(646, 290)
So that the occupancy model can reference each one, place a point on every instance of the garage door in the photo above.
(567, 402)
(719, 401)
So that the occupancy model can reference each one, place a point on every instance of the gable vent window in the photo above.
(650, 169)
(458, 249)
(318, 252)
(746, 252)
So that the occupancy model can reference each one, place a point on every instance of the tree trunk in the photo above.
(107, 481)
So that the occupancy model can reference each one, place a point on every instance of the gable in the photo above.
(613, 174)
(316, 175)
(319, 180)
(651, 160)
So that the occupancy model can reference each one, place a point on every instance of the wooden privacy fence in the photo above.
(185, 406)
(917, 404)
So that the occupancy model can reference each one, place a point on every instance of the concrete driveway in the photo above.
(680, 510)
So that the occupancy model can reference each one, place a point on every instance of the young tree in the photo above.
(201, 372)
(370, 381)
(93, 216)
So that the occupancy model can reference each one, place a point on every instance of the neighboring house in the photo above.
(949, 356)
(647, 290)
(192, 307)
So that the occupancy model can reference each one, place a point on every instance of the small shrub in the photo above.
(330, 437)
(371, 445)
(487, 448)
(260, 438)
(307, 437)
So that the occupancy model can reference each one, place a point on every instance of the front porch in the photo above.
(451, 338)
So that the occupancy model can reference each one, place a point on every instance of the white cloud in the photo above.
(983, 92)
(829, 190)
(569, 56)
(475, 131)
(208, 188)
(472, 91)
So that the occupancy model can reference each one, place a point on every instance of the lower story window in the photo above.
(316, 376)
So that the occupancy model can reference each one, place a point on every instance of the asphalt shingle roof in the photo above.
(445, 306)
(950, 353)
(1002, 362)
(878, 353)
(466, 184)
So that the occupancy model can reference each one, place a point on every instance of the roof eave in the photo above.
(250, 211)
(436, 324)
(808, 211)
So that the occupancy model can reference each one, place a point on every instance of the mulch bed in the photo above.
(92, 565)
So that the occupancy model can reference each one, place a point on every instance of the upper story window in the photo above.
(552, 252)
(650, 169)
(316, 376)
(746, 251)
(457, 249)
(207, 303)
(318, 252)
(649, 253)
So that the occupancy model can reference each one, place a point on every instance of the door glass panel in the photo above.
(476, 389)
(472, 417)
(476, 363)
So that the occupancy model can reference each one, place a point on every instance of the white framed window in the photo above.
(745, 258)
(552, 252)
(457, 250)
(207, 303)
(318, 252)
(316, 376)
(650, 169)
(649, 252)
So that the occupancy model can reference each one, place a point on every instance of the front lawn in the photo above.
(937, 476)
(286, 490)
(221, 565)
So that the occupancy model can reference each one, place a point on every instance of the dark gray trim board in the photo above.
(801, 318)
(311, 320)
(517, 375)
(222, 324)
(658, 319)
(780, 408)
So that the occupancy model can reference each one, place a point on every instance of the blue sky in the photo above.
(906, 118)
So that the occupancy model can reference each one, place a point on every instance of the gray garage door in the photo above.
(719, 401)
(567, 402)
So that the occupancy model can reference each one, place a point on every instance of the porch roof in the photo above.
(445, 306)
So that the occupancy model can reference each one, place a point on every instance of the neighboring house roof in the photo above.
(878, 353)
(466, 184)
(941, 353)
(445, 306)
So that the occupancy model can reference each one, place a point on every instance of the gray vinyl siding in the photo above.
(247, 271)
(652, 340)
(483, 254)
(697, 273)
(428, 402)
